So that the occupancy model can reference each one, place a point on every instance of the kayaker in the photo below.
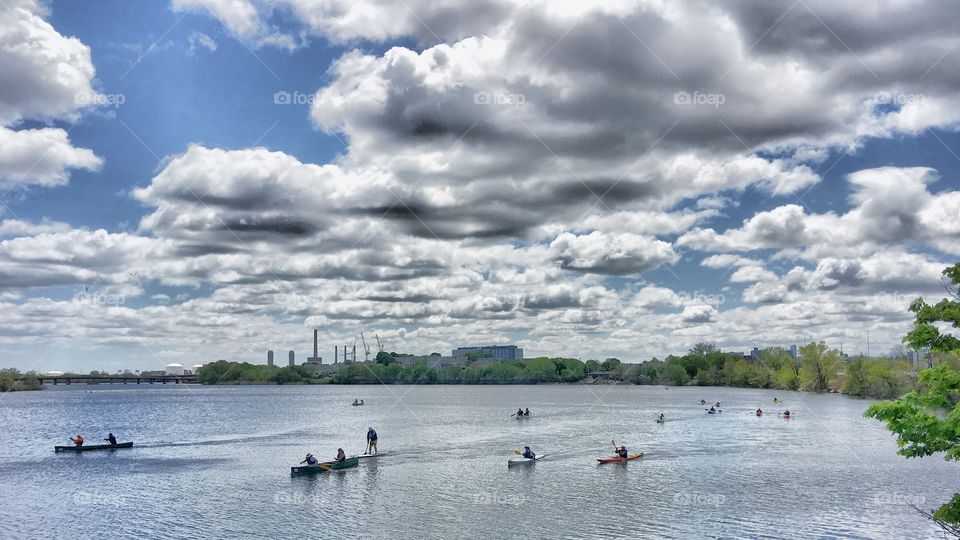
(528, 453)
(361, 402)
(309, 460)
(759, 412)
(661, 417)
(111, 439)
(622, 451)
(703, 402)
(786, 414)
(371, 440)
(717, 405)
(520, 411)
(356, 402)
(712, 410)
(341, 457)
(78, 440)
(526, 412)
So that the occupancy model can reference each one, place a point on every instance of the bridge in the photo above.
(117, 379)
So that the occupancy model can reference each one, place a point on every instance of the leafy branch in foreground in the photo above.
(927, 420)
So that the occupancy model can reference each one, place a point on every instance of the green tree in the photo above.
(855, 381)
(927, 420)
(385, 358)
(819, 366)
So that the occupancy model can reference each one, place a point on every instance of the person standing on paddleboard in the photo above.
(371, 441)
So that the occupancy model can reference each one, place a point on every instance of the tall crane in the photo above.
(366, 350)
(379, 346)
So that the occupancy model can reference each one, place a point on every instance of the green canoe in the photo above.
(327, 466)
(87, 448)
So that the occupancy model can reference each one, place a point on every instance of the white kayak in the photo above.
(520, 460)
(367, 456)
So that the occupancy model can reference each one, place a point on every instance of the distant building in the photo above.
(793, 352)
(269, 358)
(755, 354)
(292, 358)
(174, 369)
(500, 352)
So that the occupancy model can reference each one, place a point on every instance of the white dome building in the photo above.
(174, 369)
(196, 369)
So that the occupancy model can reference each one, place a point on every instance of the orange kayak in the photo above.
(618, 459)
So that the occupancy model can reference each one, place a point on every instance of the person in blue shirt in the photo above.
(309, 460)
(371, 441)
(528, 453)
(622, 451)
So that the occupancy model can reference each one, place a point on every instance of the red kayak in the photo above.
(759, 413)
(618, 459)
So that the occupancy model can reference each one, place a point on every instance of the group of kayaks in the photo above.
(527, 456)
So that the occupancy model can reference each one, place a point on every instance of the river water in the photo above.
(214, 462)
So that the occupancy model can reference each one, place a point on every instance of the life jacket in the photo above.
(78, 440)
(372, 435)
(529, 454)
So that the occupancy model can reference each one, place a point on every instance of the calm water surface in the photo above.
(214, 462)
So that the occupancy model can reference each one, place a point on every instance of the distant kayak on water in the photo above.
(522, 460)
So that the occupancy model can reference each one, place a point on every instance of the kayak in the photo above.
(714, 412)
(87, 448)
(618, 459)
(368, 456)
(522, 417)
(778, 401)
(659, 421)
(327, 466)
(522, 460)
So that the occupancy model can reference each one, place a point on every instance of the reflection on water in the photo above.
(215, 462)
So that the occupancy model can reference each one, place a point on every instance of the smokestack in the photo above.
(316, 352)
(336, 351)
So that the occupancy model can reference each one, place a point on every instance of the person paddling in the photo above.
(371, 441)
(759, 412)
(660, 418)
(622, 451)
(528, 453)
(520, 411)
(341, 457)
(786, 414)
(309, 460)
(78, 440)
(527, 412)
(111, 439)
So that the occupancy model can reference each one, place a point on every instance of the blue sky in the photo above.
(598, 218)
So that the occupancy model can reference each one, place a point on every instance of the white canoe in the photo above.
(520, 460)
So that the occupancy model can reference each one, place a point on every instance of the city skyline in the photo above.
(186, 183)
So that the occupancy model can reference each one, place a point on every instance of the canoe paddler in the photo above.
(309, 460)
(371, 441)
(528, 453)
(660, 418)
(622, 451)
(341, 457)
(78, 440)
(111, 439)
(520, 411)
(786, 414)
(526, 412)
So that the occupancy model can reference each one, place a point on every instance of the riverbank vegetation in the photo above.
(224, 372)
(11, 380)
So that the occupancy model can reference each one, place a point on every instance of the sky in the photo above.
(190, 180)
